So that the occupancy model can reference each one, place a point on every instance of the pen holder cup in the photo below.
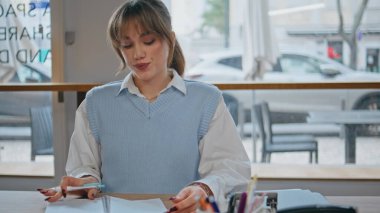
(259, 203)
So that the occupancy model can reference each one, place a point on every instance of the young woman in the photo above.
(154, 132)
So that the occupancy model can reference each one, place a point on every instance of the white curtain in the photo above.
(260, 47)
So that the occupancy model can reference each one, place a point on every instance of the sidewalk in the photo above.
(330, 150)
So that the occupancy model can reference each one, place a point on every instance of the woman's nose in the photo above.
(139, 52)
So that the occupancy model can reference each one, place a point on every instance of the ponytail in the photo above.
(178, 61)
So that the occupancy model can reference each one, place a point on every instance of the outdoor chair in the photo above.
(236, 110)
(281, 143)
(41, 140)
(232, 106)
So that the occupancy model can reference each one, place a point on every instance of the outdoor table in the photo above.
(350, 120)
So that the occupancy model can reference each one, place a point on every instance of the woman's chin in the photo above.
(143, 76)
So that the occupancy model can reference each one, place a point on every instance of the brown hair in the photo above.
(153, 16)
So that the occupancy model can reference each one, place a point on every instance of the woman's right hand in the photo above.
(66, 181)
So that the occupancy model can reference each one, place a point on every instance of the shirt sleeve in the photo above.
(84, 157)
(224, 164)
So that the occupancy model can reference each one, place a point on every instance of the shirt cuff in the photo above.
(80, 172)
(216, 185)
(213, 183)
(204, 187)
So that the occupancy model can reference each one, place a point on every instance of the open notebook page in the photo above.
(116, 205)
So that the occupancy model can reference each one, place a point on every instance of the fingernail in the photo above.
(47, 199)
(172, 198)
(173, 209)
(43, 191)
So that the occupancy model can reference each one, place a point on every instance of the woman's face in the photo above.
(146, 53)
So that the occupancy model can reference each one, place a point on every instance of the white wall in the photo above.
(90, 58)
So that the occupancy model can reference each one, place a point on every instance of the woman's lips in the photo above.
(142, 66)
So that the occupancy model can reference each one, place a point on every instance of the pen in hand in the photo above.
(58, 189)
(98, 186)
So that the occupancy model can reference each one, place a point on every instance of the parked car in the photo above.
(18, 103)
(292, 66)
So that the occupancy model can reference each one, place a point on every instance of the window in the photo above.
(309, 49)
(25, 117)
(30, 74)
(234, 62)
(298, 65)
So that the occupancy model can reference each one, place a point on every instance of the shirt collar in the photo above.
(177, 82)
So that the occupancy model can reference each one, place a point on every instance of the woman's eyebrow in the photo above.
(125, 39)
(145, 33)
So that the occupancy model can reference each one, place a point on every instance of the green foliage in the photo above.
(214, 16)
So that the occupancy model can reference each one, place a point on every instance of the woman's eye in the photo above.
(149, 42)
(126, 46)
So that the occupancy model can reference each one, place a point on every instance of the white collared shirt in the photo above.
(223, 165)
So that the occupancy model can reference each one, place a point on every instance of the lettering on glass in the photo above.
(24, 32)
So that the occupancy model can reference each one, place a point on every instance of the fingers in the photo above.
(70, 181)
(188, 203)
(181, 195)
(186, 200)
(47, 192)
(65, 182)
(92, 194)
(190, 209)
(55, 197)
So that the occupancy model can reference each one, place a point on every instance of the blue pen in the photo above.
(213, 203)
(98, 186)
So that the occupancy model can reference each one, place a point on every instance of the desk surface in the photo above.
(33, 202)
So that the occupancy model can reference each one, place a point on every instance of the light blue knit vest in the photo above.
(150, 147)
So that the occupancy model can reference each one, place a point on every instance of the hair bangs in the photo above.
(144, 17)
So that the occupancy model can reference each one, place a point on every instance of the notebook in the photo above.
(105, 204)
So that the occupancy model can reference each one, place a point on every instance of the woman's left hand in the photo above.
(187, 199)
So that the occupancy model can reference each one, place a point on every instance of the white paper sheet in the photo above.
(141, 206)
(116, 205)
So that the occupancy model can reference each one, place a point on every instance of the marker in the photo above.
(232, 203)
(213, 203)
(205, 206)
(243, 201)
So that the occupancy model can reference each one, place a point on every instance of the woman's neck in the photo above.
(151, 89)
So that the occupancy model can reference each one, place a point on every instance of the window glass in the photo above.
(302, 41)
(298, 65)
(234, 62)
(25, 117)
